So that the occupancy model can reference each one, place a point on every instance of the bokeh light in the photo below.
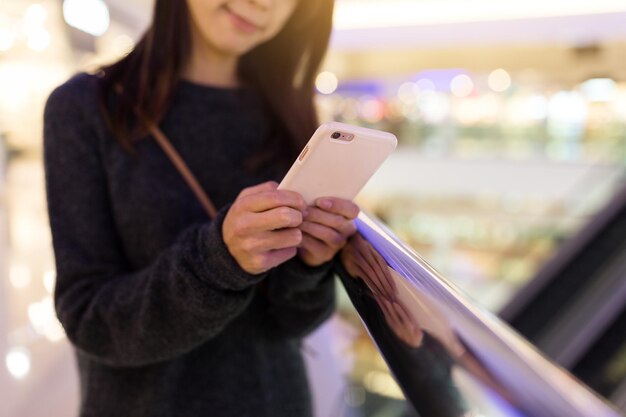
(599, 89)
(90, 16)
(462, 85)
(326, 82)
(18, 362)
(407, 92)
(499, 80)
(38, 40)
(7, 39)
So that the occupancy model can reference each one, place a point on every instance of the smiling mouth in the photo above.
(242, 23)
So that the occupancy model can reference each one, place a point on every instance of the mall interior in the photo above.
(511, 120)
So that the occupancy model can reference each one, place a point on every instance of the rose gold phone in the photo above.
(337, 162)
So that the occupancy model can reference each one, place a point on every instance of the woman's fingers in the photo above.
(259, 246)
(244, 225)
(327, 235)
(263, 261)
(260, 229)
(267, 210)
(345, 208)
(335, 221)
(313, 251)
(277, 257)
(270, 199)
(259, 253)
(327, 229)
(329, 232)
(277, 218)
(278, 239)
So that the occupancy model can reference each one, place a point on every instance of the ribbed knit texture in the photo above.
(163, 320)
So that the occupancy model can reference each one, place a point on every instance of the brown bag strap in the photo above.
(182, 167)
(175, 157)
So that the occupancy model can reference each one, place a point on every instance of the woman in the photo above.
(170, 313)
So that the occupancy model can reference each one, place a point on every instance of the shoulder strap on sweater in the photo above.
(175, 157)
(182, 167)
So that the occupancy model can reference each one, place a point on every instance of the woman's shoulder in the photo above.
(80, 92)
(73, 113)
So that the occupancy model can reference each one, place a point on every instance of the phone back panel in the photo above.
(330, 167)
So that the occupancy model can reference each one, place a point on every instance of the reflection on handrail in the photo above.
(450, 357)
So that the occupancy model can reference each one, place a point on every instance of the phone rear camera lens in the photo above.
(336, 135)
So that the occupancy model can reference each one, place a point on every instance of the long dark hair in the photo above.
(282, 70)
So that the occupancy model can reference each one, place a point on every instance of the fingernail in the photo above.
(324, 203)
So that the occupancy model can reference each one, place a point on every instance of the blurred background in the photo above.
(511, 118)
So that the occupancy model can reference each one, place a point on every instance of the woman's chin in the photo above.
(234, 46)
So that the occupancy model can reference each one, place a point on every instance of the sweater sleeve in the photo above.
(115, 315)
(300, 297)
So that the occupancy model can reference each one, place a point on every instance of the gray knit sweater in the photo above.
(163, 320)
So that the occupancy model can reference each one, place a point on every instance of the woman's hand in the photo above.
(261, 228)
(326, 228)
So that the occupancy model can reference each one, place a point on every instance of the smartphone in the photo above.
(338, 161)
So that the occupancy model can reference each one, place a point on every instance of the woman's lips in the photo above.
(242, 23)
